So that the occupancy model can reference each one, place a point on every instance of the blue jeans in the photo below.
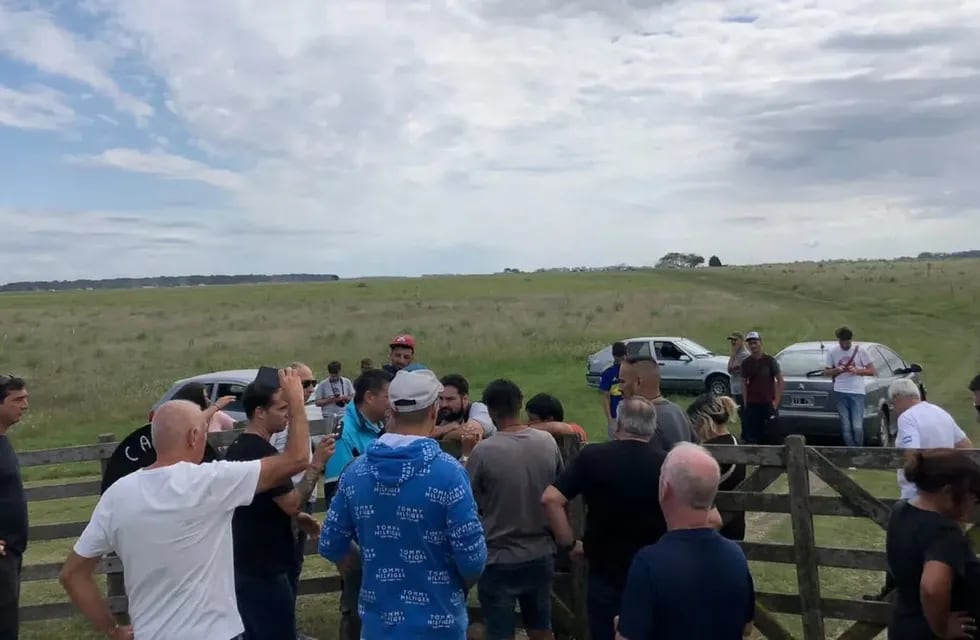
(602, 606)
(525, 583)
(850, 408)
(267, 605)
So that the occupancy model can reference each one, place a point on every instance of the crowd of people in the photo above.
(214, 551)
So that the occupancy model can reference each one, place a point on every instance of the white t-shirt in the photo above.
(924, 426)
(171, 527)
(848, 382)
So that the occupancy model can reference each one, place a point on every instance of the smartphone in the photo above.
(338, 429)
(267, 377)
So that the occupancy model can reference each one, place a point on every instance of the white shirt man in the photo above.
(171, 525)
(186, 532)
(921, 425)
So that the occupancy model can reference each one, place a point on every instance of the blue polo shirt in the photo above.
(609, 382)
(693, 584)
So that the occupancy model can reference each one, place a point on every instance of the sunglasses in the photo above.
(309, 383)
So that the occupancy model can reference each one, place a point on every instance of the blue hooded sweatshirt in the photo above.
(410, 508)
(359, 433)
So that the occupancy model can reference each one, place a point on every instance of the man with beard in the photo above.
(13, 506)
(401, 355)
(457, 414)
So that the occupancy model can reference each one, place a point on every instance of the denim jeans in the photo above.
(525, 583)
(850, 408)
(267, 605)
(602, 606)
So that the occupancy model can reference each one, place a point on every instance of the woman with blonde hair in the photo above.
(710, 415)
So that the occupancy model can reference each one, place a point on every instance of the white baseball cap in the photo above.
(414, 390)
(753, 335)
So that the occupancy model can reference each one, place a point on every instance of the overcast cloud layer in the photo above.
(140, 137)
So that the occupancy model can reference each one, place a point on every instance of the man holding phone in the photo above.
(171, 525)
(335, 392)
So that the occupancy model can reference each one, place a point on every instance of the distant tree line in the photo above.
(166, 281)
(928, 255)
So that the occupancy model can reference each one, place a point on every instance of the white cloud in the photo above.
(571, 131)
(161, 164)
(33, 38)
(38, 108)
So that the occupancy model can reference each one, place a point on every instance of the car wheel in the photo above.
(884, 429)
(718, 385)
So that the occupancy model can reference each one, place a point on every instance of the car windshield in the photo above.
(800, 363)
(695, 349)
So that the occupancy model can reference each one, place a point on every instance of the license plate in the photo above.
(802, 401)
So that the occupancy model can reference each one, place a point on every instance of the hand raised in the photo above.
(292, 387)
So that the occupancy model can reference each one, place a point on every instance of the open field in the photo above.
(98, 360)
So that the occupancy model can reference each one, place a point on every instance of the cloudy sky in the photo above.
(359, 137)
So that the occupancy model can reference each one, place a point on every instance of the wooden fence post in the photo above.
(804, 540)
(114, 581)
(571, 446)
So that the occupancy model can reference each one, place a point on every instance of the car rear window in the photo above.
(800, 363)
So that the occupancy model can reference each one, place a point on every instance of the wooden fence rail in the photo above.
(794, 459)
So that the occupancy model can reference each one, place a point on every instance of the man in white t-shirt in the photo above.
(170, 525)
(848, 364)
(921, 425)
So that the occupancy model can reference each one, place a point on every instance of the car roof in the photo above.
(649, 338)
(244, 376)
(817, 346)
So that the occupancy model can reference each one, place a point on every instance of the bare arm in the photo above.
(292, 502)
(277, 469)
(935, 589)
(555, 428)
(780, 387)
(606, 408)
(554, 504)
(965, 443)
(78, 579)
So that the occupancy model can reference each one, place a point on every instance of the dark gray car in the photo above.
(809, 407)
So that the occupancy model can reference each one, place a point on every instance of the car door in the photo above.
(675, 366)
(876, 392)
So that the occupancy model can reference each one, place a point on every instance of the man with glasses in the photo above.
(13, 506)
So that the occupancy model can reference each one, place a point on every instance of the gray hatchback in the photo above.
(809, 407)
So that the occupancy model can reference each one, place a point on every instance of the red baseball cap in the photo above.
(403, 340)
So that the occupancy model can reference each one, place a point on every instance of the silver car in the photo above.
(809, 407)
(685, 365)
(229, 383)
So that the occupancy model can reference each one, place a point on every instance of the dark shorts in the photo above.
(527, 584)
(10, 566)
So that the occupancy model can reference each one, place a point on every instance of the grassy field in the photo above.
(98, 360)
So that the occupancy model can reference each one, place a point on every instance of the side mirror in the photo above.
(685, 358)
(915, 368)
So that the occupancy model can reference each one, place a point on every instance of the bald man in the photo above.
(639, 377)
(693, 584)
(170, 524)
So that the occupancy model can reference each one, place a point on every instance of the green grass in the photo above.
(97, 360)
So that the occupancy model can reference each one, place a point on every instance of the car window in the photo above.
(667, 351)
(882, 368)
(232, 389)
(799, 363)
(694, 349)
(894, 361)
(638, 349)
